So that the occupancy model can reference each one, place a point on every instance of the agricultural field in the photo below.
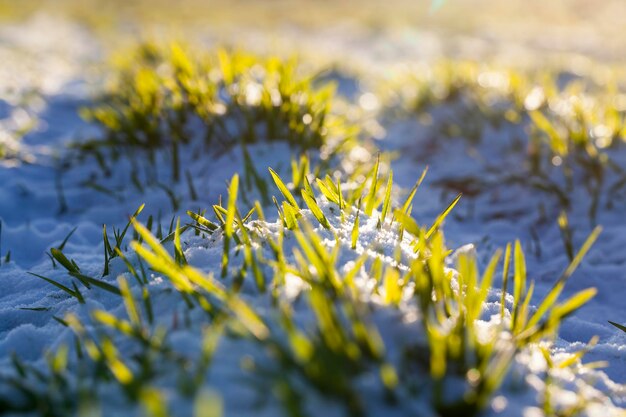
(302, 208)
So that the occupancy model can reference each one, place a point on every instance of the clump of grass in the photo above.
(456, 350)
(571, 125)
(169, 96)
(552, 387)
(328, 341)
(482, 364)
(340, 345)
(46, 392)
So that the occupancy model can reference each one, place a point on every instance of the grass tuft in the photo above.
(168, 97)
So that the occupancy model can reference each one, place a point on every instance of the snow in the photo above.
(33, 221)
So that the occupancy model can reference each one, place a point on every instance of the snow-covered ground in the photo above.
(40, 203)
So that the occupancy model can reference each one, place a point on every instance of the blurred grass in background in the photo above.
(590, 27)
(53, 46)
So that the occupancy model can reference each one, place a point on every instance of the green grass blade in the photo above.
(581, 253)
(328, 192)
(573, 303)
(409, 199)
(130, 221)
(370, 199)
(505, 277)
(231, 208)
(387, 200)
(62, 259)
(96, 283)
(519, 280)
(129, 302)
(76, 294)
(407, 222)
(355, 230)
(307, 188)
(315, 209)
(178, 249)
(203, 221)
(110, 320)
(342, 203)
(64, 242)
(442, 217)
(487, 279)
(550, 299)
(283, 189)
(151, 241)
(619, 326)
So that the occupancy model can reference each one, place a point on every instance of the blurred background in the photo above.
(475, 28)
(43, 42)
(594, 26)
(52, 47)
